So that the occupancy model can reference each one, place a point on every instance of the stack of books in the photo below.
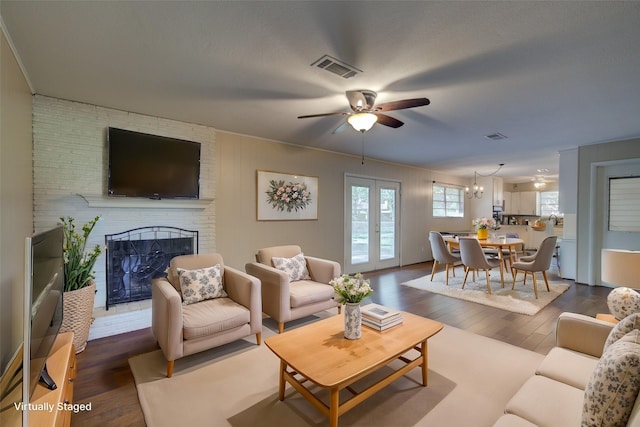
(380, 317)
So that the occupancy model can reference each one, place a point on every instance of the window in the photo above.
(448, 201)
(624, 202)
(549, 203)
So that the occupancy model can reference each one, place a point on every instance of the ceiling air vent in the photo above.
(336, 66)
(496, 136)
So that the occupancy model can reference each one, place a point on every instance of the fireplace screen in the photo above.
(137, 256)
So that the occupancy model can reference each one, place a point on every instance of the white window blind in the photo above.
(624, 204)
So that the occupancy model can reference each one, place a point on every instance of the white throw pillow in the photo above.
(296, 267)
(201, 284)
(623, 302)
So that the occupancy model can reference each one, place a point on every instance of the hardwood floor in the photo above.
(105, 380)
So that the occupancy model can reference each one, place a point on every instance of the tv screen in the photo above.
(43, 302)
(151, 166)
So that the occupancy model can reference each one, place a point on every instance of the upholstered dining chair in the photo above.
(203, 304)
(293, 285)
(474, 259)
(538, 262)
(442, 255)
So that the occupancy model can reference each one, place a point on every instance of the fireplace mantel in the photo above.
(101, 201)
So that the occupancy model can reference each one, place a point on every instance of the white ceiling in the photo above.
(549, 75)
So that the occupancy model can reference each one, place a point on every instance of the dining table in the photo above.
(498, 243)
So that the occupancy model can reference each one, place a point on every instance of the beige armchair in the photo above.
(184, 329)
(284, 299)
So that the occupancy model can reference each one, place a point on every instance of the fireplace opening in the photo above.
(136, 256)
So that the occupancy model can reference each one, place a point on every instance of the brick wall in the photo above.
(70, 158)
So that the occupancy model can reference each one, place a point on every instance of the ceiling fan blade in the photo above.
(342, 113)
(340, 128)
(402, 104)
(383, 119)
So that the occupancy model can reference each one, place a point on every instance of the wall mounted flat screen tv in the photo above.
(151, 166)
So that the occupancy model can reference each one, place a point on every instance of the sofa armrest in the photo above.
(275, 289)
(245, 289)
(166, 317)
(322, 270)
(582, 333)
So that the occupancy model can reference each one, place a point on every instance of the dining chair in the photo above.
(507, 253)
(474, 258)
(538, 262)
(442, 255)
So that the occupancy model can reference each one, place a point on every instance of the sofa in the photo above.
(590, 378)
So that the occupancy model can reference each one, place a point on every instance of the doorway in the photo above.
(372, 224)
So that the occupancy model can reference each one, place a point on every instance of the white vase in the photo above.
(352, 321)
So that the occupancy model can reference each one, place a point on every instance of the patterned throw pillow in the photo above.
(623, 302)
(612, 390)
(622, 328)
(199, 285)
(295, 267)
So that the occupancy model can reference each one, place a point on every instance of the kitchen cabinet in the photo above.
(528, 203)
(498, 193)
(506, 195)
(521, 203)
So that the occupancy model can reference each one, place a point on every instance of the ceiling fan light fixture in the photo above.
(362, 122)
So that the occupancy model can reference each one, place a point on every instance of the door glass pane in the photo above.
(360, 217)
(387, 223)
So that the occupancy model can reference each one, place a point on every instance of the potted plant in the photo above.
(350, 291)
(79, 286)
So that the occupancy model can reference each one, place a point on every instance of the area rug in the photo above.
(520, 300)
(471, 378)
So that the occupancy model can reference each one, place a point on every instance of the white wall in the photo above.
(70, 158)
(239, 234)
(16, 221)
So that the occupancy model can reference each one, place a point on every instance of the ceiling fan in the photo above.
(365, 114)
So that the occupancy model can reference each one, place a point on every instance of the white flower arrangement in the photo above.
(351, 289)
(484, 223)
(291, 196)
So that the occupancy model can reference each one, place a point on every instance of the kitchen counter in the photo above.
(532, 238)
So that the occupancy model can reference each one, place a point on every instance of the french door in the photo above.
(372, 224)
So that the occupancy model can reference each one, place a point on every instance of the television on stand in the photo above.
(43, 311)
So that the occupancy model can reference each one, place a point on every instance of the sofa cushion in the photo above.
(201, 284)
(510, 420)
(612, 391)
(296, 267)
(623, 302)
(304, 292)
(567, 366)
(622, 328)
(546, 402)
(213, 316)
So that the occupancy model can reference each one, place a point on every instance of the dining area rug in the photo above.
(520, 300)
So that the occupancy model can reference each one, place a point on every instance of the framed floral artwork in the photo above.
(283, 196)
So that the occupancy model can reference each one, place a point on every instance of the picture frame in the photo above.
(286, 197)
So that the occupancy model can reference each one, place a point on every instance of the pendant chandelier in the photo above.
(477, 192)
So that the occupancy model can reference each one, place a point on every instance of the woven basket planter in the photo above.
(78, 314)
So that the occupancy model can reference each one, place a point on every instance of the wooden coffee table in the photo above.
(319, 353)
